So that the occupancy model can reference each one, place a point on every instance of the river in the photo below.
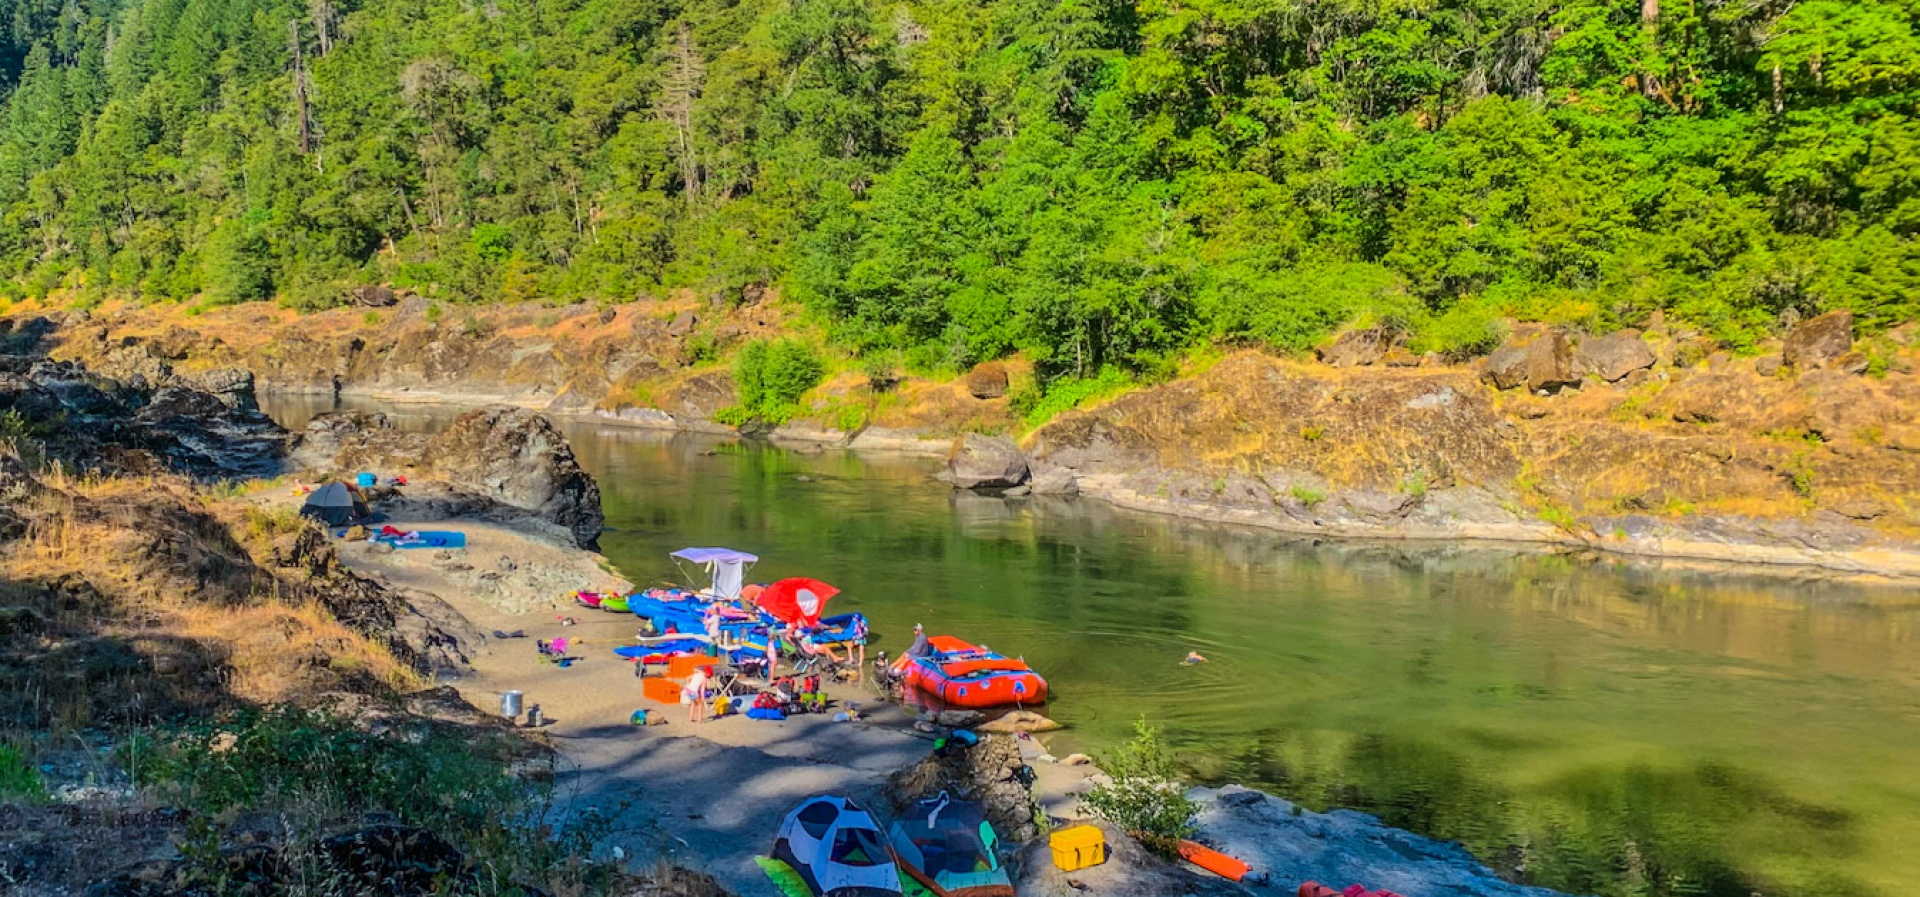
(1611, 727)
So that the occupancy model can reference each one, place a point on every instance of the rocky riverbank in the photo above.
(1652, 442)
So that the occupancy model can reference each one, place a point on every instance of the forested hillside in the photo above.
(1094, 182)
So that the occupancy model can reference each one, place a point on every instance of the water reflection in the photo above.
(1602, 725)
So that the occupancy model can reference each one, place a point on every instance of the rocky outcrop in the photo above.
(497, 462)
(518, 458)
(1614, 356)
(986, 462)
(1129, 870)
(1290, 844)
(1819, 341)
(989, 772)
(100, 423)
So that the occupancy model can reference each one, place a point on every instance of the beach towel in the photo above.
(423, 539)
(765, 713)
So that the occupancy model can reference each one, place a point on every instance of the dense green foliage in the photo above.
(771, 376)
(1098, 183)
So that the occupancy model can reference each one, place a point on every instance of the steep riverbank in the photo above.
(1652, 444)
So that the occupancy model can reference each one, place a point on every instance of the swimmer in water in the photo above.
(1193, 657)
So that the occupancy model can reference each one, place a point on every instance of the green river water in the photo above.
(1610, 727)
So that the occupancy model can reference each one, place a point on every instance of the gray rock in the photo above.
(518, 458)
(1768, 365)
(1379, 506)
(683, 323)
(986, 462)
(960, 719)
(1537, 360)
(1614, 356)
(1550, 363)
(375, 296)
(1291, 845)
(1356, 348)
(1852, 363)
(1048, 479)
(1817, 341)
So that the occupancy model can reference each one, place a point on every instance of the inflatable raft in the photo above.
(965, 675)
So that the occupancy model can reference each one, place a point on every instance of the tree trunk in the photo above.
(683, 85)
(1650, 26)
(301, 112)
(323, 14)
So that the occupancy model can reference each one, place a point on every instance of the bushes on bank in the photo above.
(771, 376)
(1145, 796)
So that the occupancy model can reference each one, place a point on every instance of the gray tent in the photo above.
(336, 504)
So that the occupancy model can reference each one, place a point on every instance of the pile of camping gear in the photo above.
(734, 623)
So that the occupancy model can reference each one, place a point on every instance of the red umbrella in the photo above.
(797, 600)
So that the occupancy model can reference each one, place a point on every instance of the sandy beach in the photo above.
(708, 795)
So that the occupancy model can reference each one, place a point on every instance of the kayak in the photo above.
(589, 599)
(615, 603)
(966, 675)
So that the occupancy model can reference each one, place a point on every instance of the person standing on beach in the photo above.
(696, 691)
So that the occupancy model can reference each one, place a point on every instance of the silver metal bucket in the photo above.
(510, 704)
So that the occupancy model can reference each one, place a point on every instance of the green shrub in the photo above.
(1414, 484)
(773, 375)
(1145, 796)
(1308, 495)
(434, 311)
(318, 769)
(289, 756)
(1036, 407)
(18, 778)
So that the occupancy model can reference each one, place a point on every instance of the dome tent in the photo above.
(836, 850)
(336, 504)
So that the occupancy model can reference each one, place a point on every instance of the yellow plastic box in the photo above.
(1078, 847)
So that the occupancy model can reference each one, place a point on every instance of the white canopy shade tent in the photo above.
(726, 568)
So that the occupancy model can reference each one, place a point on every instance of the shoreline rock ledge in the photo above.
(498, 461)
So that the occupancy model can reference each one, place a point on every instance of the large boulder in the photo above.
(986, 462)
(1614, 356)
(375, 295)
(1356, 348)
(1536, 358)
(987, 381)
(518, 458)
(1817, 341)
